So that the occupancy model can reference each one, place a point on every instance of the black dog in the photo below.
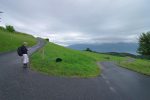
(58, 60)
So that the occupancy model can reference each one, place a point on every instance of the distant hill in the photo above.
(108, 47)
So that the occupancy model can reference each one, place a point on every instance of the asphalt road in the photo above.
(115, 83)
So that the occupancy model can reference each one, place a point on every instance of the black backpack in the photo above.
(19, 51)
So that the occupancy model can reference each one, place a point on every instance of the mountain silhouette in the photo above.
(108, 47)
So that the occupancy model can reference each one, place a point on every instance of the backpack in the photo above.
(19, 51)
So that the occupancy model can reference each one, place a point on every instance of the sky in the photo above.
(68, 22)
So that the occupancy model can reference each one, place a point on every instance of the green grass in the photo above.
(10, 41)
(139, 65)
(75, 63)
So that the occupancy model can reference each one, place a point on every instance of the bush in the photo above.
(10, 28)
(88, 49)
(47, 39)
(144, 44)
(2, 28)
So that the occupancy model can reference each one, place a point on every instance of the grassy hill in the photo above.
(75, 63)
(80, 63)
(11, 40)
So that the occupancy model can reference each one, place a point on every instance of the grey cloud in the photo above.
(93, 20)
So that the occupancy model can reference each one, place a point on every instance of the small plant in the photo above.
(88, 49)
(10, 28)
(107, 58)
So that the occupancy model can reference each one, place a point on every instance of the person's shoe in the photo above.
(24, 65)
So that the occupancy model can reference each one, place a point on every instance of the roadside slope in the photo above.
(10, 41)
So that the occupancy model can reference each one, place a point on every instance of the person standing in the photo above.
(24, 51)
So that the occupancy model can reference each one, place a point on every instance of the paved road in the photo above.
(115, 83)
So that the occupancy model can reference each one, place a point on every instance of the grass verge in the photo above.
(138, 65)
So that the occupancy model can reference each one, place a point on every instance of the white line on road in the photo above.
(107, 82)
(103, 77)
(112, 89)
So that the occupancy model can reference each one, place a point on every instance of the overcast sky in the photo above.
(78, 21)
